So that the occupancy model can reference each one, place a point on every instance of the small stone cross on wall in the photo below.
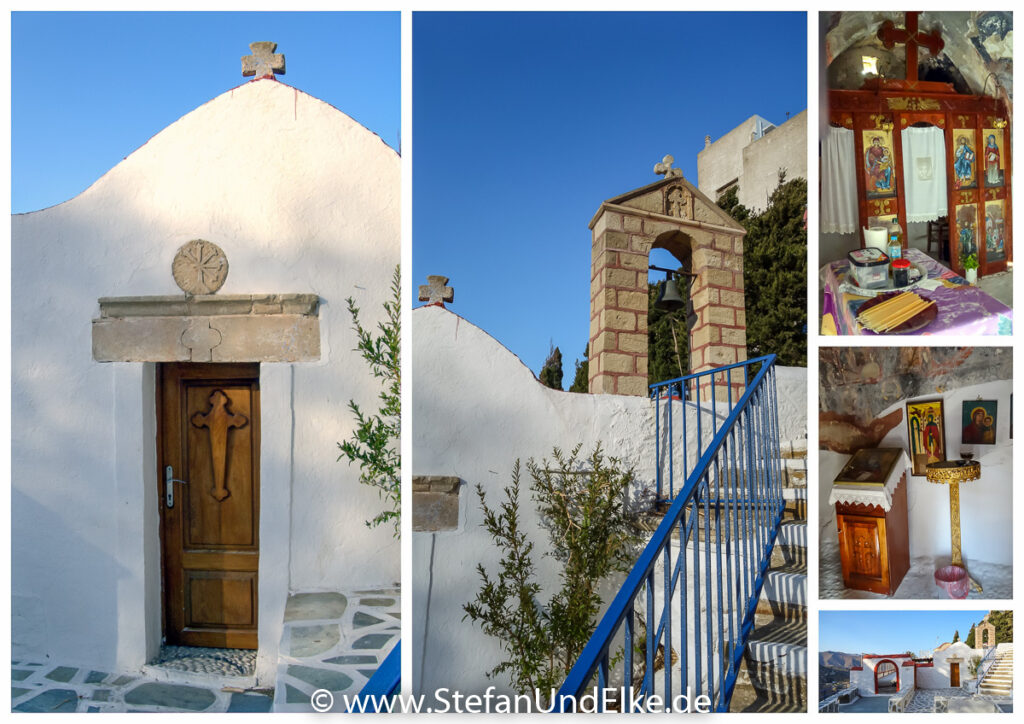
(436, 292)
(665, 168)
(264, 62)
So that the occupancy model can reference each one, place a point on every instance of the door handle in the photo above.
(169, 481)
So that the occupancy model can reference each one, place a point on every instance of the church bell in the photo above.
(668, 297)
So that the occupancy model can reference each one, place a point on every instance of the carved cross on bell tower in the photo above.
(665, 168)
(264, 62)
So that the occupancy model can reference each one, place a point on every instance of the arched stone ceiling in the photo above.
(977, 45)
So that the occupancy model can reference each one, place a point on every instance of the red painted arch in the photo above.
(894, 665)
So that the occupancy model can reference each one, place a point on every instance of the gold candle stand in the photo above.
(952, 473)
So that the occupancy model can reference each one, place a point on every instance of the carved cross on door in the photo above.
(218, 420)
(890, 35)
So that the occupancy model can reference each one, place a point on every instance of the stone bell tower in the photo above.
(669, 214)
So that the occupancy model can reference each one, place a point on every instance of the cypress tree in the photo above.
(775, 272)
(581, 382)
(551, 373)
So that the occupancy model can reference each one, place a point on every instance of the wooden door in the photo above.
(862, 552)
(954, 674)
(208, 417)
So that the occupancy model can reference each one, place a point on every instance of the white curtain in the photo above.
(838, 182)
(924, 173)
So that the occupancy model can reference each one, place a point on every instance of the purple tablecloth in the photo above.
(962, 309)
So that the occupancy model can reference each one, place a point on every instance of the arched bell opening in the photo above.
(887, 677)
(672, 314)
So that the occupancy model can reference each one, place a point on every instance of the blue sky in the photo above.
(891, 632)
(524, 123)
(87, 89)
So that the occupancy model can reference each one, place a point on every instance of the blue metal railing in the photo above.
(385, 682)
(688, 612)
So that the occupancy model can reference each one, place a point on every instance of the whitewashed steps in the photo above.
(773, 673)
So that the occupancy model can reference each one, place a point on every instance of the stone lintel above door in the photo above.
(208, 328)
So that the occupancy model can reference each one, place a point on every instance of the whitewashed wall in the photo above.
(476, 409)
(986, 505)
(864, 679)
(302, 199)
(937, 675)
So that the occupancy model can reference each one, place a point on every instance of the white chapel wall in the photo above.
(985, 505)
(476, 408)
(302, 199)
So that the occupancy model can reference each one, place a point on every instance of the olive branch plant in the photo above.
(375, 441)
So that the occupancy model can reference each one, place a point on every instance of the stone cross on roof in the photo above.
(436, 292)
(264, 62)
(665, 168)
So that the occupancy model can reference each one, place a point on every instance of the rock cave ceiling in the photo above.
(977, 44)
(857, 383)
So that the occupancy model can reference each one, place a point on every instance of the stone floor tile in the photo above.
(309, 641)
(21, 674)
(343, 660)
(321, 678)
(122, 680)
(95, 677)
(101, 695)
(250, 703)
(63, 674)
(177, 696)
(362, 620)
(372, 641)
(51, 700)
(376, 602)
(17, 691)
(314, 606)
(294, 696)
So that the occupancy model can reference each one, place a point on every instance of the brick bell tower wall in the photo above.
(673, 215)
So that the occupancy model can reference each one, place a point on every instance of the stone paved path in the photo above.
(332, 641)
(51, 688)
(924, 699)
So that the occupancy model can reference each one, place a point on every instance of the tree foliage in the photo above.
(775, 272)
(551, 373)
(970, 637)
(376, 439)
(581, 380)
(582, 505)
(1003, 622)
(956, 636)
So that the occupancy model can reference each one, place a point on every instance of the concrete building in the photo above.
(750, 157)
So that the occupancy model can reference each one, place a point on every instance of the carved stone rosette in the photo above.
(200, 267)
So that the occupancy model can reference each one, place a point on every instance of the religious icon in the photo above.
(966, 223)
(869, 466)
(992, 157)
(963, 160)
(927, 432)
(995, 245)
(979, 421)
(878, 164)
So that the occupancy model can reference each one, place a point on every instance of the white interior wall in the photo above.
(986, 507)
(476, 409)
(302, 199)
